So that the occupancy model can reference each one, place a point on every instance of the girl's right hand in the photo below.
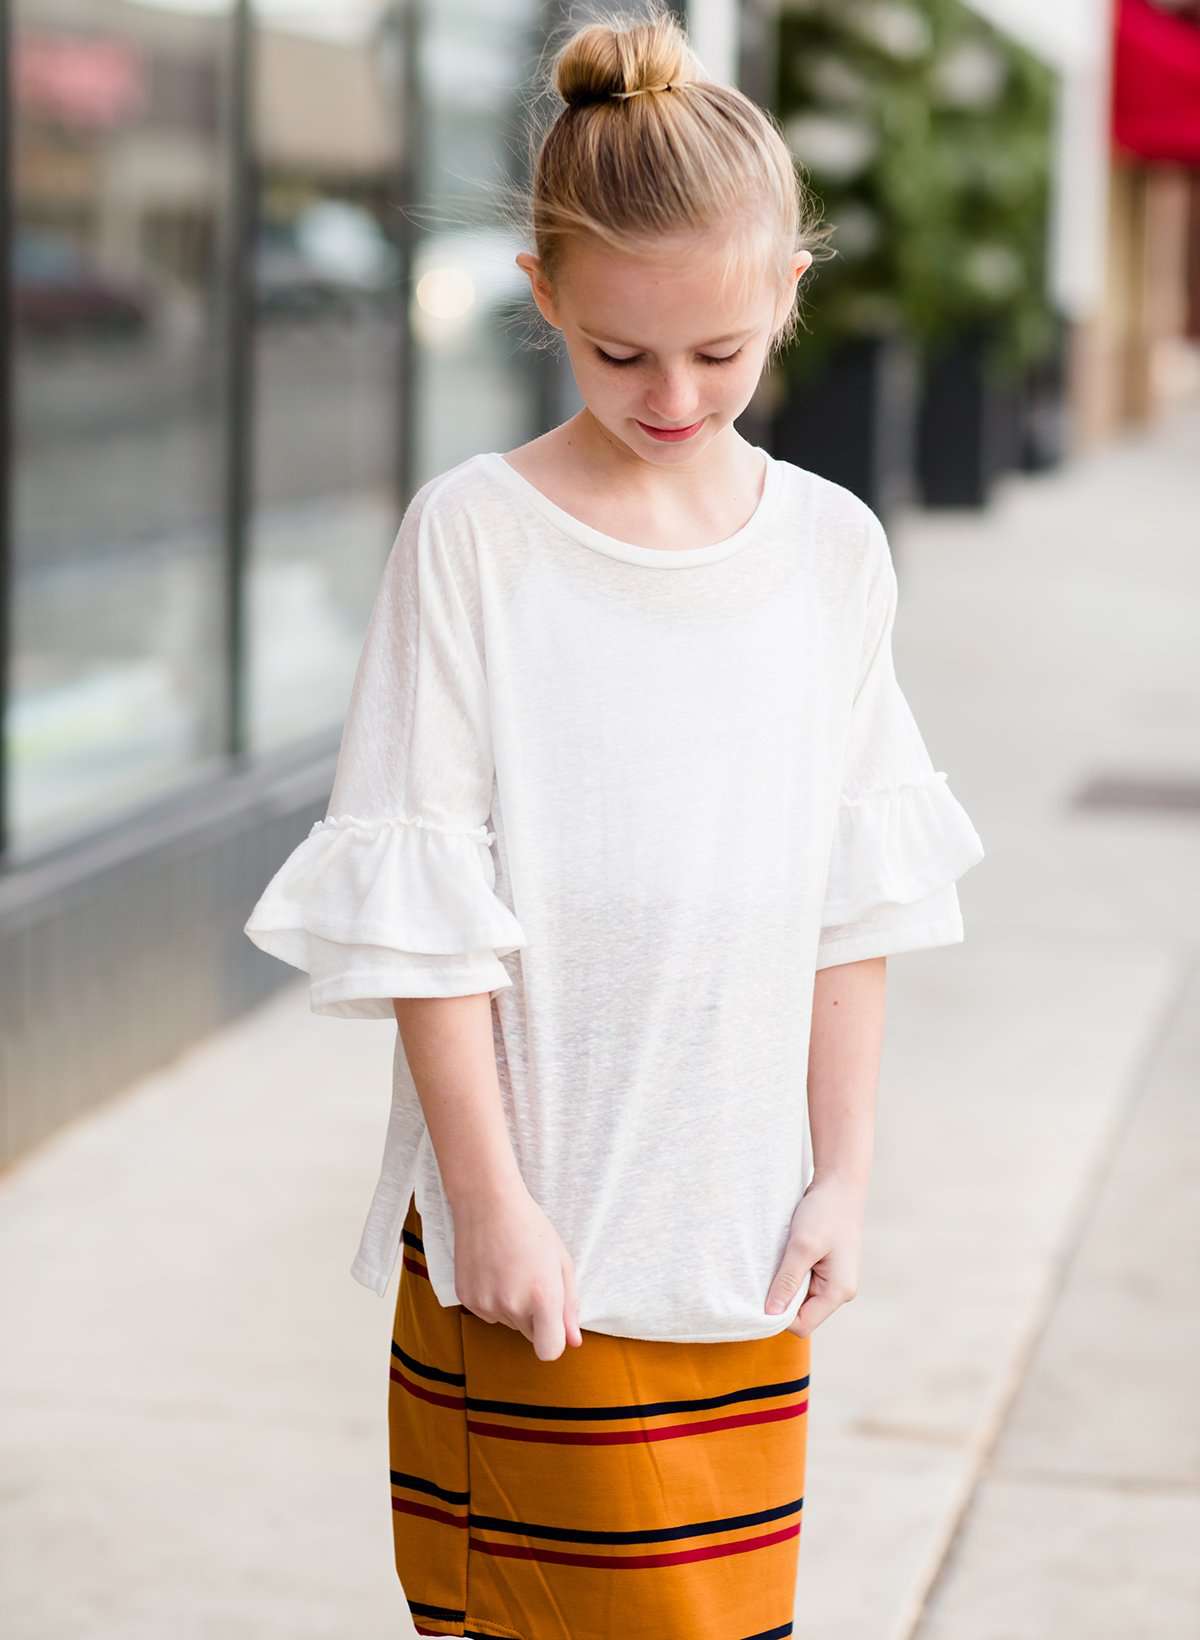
(510, 1265)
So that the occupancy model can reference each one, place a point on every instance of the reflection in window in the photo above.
(119, 202)
(328, 123)
(123, 114)
(477, 383)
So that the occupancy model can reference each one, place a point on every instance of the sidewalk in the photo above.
(1008, 1446)
(1003, 1436)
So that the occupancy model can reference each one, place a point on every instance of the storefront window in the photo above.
(382, 343)
(118, 682)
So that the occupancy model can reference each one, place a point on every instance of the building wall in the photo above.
(129, 948)
(1074, 36)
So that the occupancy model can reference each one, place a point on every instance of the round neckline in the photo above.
(631, 552)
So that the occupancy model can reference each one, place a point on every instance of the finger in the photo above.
(549, 1336)
(810, 1316)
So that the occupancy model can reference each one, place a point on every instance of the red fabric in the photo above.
(1156, 84)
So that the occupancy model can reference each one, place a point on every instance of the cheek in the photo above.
(740, 381)
(602, 385)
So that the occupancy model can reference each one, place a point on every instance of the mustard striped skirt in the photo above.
(632, 1489)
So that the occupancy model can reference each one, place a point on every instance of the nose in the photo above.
(675, 399)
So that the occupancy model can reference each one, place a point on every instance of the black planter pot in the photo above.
(968, 424)
(854, 421)
(1008, 410)
(1044, 422)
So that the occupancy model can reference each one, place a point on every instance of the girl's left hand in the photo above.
(826, 1238)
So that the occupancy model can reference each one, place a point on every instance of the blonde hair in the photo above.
(649, 145)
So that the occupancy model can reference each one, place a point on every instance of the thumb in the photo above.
(548, 1337)
(571, 1305)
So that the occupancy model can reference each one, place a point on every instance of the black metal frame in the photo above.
(6, 318)
(412, 16)
(239, 372)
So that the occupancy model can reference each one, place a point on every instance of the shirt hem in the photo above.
(369, 1275)
(691, 1338)
(376, 985)
(885, 942)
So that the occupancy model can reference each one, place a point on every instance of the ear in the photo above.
(540, 287)
(799, 266)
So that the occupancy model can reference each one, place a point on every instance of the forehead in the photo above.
(689, 290)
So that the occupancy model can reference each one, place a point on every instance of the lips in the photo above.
(671, 435)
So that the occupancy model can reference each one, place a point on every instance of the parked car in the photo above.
(332, 258)
(59, 290)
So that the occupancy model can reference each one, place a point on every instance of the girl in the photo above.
(629, 812)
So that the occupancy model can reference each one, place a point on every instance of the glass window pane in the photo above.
(120, 202)
(477, 382)
(328, 316)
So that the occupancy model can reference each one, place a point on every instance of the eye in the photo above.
(706, 358)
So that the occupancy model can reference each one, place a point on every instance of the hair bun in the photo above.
(610, 61)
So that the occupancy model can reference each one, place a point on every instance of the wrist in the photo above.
(484, 1192)
(852, 1177)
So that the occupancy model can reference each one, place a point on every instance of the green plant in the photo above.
(927, 136)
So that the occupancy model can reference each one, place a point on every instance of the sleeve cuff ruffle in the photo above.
(897, 845)
(388, 902)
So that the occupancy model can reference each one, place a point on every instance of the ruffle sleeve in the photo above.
(398, 906)
(394, 892)
(897, 845)
(901, 838)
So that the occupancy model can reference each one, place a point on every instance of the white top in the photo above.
(640, 796)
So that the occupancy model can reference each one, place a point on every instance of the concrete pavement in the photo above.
(1008, 1448)
(1004, 1443)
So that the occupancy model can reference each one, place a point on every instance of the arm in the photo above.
(509, 1262)
(843, 1068)
(448, 1045)
(900, 842)
(390, 906)
(843, 1072)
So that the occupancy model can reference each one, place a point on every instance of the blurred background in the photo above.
(256, 286)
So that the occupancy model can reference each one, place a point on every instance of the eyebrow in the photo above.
(637, 348)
